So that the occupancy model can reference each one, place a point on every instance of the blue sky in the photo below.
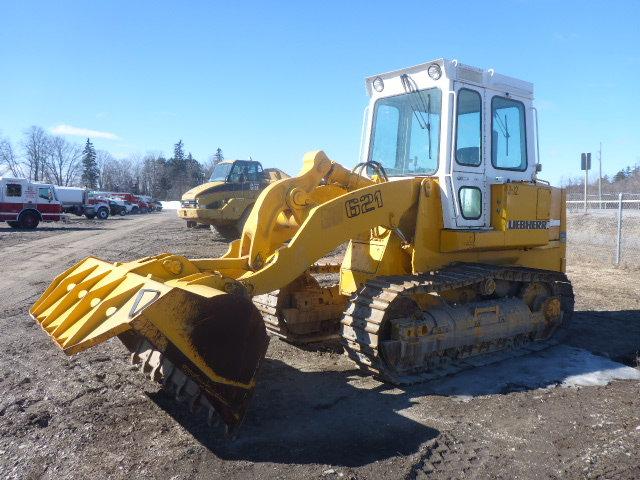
(272, 80)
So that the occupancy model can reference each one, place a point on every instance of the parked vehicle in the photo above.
(151, 206)
(76, 200)
(138, 204)
(117, 206)
(130, 206)
(24, 204)
(225, 201)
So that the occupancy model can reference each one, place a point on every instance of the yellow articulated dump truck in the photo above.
(224, 202)
(455, 257)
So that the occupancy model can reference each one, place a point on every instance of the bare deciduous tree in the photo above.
(36, 147)
(107, 168)
(118, 175)
(58, 161)
(9, 160)
(63, 163)
(209, 165)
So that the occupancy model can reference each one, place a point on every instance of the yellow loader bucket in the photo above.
(202, 343)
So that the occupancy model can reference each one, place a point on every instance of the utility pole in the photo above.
(600, 176)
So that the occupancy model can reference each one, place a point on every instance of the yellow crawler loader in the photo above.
(455, 256)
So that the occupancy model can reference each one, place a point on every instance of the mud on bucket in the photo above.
(216, 342)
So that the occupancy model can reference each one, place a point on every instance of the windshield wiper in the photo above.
(409, 86)
(504, 129)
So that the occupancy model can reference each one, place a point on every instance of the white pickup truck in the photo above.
(76, 200)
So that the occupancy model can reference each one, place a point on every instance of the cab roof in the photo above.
(236, 160)
(454, 70)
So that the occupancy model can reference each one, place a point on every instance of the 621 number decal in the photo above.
(366, 203)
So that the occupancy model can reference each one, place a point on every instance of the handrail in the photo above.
(535, 110)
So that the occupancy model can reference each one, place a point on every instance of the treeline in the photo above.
(52, 159)
(625, 180)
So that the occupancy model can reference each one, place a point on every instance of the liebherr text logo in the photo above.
(528, 224)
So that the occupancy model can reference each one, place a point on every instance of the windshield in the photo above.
(406, 133)
(220, 172)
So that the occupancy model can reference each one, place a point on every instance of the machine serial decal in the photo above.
(528, 224)
(366, 203)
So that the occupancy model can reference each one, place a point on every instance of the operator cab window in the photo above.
(508, 138)
(469, 128)
(45, 193)
(238, 173)
(252, 172)
(220, 172)
(406, 133)
(14, 190)
(259, 173)
(470, 202)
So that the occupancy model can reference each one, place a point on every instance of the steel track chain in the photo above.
(372, 306)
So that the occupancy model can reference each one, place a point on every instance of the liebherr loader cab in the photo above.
(455, 257)
(468, 127)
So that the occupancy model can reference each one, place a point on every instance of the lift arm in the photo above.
(297, 221)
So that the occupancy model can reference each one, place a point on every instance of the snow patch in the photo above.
(561, 365)
(173, 205)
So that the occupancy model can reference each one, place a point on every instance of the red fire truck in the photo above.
(24, 204)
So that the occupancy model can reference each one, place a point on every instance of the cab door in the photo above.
(47, 204)
(469, 190)
(251, 179)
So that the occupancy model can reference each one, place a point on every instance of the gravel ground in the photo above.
(313, 414)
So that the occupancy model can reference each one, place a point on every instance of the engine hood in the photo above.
(200, 190)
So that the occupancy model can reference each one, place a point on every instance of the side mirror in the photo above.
(538, 167)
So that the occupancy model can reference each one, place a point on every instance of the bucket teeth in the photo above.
(146, 357)
(179, 387)
(194, 402)
(213, 419)
(184, 390)
(155, 374)
(168, 368)
(134, 359)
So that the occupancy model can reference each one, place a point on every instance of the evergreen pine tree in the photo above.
(178, 151)
(90, 171)
(178, 161)
(194, 170)
(179, 169)
(218, 156)
(619, 177)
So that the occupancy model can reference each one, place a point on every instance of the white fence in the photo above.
(609, 227)
(608, 201)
